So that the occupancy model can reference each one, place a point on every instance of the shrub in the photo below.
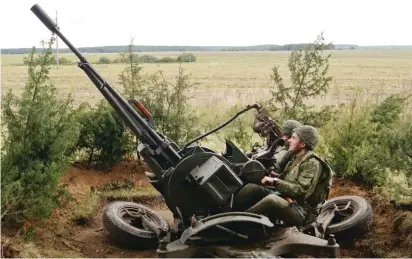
(104, 136)
(64, 61)
(167, 60)
(148, 59)
(186, 57)
(39, 134)
(366, 142)
(104, 60)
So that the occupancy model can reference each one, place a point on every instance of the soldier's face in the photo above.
(286, 139)
(295, 144)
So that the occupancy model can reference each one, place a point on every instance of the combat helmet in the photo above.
(309, 135)
(289, 125)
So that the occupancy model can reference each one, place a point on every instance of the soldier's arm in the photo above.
(281, 158)
(305, 183)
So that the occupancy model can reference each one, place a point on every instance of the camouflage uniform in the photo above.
(302, 179)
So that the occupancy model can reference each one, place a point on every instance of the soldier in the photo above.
(282, 153)
(302, 188)
(288, 127)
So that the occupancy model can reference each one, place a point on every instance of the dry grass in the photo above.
(87, 208)
(222, 75)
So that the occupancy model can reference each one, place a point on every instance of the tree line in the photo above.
(147, 48)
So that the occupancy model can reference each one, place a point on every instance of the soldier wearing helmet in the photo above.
(282, 153)
(298, 193)
(288, 128)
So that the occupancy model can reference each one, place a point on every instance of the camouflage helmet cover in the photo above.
(309, 135)
(289, 125)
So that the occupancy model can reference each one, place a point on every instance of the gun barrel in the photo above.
(139, 126)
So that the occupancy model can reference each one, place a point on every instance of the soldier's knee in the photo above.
(276, 201)
(251, 187)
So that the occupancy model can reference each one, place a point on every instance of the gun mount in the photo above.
(198, 185)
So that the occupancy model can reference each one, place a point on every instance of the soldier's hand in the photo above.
(274, 174)
(267, 180)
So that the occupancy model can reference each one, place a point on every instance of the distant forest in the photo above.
(143, 48)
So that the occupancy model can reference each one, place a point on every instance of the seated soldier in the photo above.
(306, 179)
(282, 153)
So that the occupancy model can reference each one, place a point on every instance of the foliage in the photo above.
(104, 60)
(64, 61)
(167, 60)
(104, 136)
(151, 48)
(148, 59)
(308, 68)
(240, 130)
(131, 78)
(39, 134)
(117, 185)
(167, 102)
(186, 57)
(369, 143)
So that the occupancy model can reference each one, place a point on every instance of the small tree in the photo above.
(132, 78)
(39, 134)
(166, 101)
(309, 79)
(168, 104)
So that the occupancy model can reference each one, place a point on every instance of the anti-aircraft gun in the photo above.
(198, 186)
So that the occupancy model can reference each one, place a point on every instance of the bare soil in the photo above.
(60, 236)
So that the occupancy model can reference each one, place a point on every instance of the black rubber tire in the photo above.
(355, 224)
(126, 234)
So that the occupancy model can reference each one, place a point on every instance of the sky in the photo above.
(88, 23)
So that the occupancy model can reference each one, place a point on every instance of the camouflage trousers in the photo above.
(261, 200)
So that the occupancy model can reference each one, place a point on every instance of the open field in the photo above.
(231, 77)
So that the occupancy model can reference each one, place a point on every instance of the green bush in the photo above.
(148, 59)
(39, 134)
(368, 142)
(167, 60)
(104, 60)
(186, 57)
(104, 136)
(64, 61)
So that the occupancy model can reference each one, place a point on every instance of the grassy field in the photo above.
(226, 78)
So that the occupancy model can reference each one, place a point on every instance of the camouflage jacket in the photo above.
(300, 176)
(281, 158)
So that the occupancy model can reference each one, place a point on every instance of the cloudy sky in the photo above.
(209, 22)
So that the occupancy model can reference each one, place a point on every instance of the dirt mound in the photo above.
(389, 236)
(80, 180)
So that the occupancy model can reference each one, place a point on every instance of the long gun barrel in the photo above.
(147, 135)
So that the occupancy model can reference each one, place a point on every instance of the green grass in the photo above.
(132, 194)
(87, 207)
